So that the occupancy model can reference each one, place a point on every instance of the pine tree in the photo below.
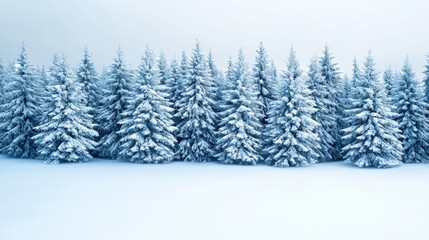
(263, 78)
(3, 74)
(164, 70)
(165, 76)
(20, 109)
(389, 81)
(217, 80)
(331, 122)
(239, 135)
(230, 77)
(412, 110)
(114, 103)
(4, 78)
(179, 79)
(196, 116)
(174, 84)
(88, 77)
(372, 136)
(66, 132)
(426, 79)
(214, 71)
(293, 138)
(147, 126)
(346, 94)
(318, 89)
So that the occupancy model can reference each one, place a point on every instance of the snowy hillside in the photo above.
(105, 199)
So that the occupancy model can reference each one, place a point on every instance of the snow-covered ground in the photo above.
(105, 199)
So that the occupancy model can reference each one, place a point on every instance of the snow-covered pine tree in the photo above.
(263, 82)
(88, 77)
(318, 88)
(426, 79)
(20, 110)
(331, 122)
(293, 139)
(164, 70)
(2, 76)
(147, 127)
(164, 76)
(239, 134)
(346, 93)
(196, 128)
(230, 76)
(44, 95)
(214, 71)
(371, 139)
(412, 109)
(66, 131)
(389, 81)
(178, 89)
(173, 84)
(217, 80)
(117, 92)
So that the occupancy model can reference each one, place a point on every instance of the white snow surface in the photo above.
(105, 199)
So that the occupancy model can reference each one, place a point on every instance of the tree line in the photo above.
(189, 110)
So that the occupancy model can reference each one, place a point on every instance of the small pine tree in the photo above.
(332, 121)
(389, 81)
(293, 138)
(164, 70)
(173, 83)
(371, 136)
(412, 110)
(346, 94)
(239, 135)
(116, 94)
(20, 109)
(196, 134)
(147, 126)
(66, 132)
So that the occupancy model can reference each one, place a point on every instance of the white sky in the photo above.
(392, 29)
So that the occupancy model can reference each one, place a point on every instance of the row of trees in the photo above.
(188, 110)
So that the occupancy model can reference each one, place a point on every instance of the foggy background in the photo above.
(392, 29)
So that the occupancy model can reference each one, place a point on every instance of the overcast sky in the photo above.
(392, 29)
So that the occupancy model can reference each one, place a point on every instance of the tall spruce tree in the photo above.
(332, 83)
(66, 131)
(196, 134)
(263, 75)
(217, 80)
(147, 127)
(426, 79)
(293, 133)
(318, 88)
(372, 135)
(412, 110)
(88, 77)
(20, 109)
(239, 134)
(115, 99)
(178, 89)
